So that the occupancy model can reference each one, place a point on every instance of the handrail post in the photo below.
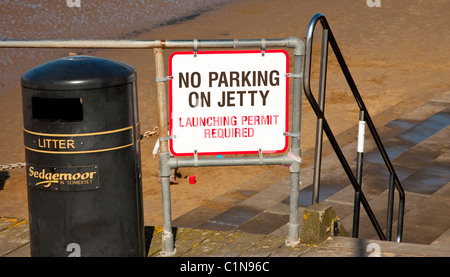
(390, 210)
(401, 216)
(319, 127)
(359, 167)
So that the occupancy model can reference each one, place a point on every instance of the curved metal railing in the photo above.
(322, 125)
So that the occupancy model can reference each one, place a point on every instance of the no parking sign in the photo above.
(228, 102)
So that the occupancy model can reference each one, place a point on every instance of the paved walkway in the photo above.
(14, 242)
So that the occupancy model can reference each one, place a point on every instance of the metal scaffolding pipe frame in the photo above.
(166, 162)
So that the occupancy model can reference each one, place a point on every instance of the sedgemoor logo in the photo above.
(63, 178)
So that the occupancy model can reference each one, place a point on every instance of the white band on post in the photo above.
(361, 131)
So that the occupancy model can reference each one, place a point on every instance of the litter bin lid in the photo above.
(78, 72)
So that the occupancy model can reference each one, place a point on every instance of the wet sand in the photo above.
(397, 53)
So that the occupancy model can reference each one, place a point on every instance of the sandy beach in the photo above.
(397, 53)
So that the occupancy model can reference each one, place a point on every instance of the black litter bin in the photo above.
(81, 135)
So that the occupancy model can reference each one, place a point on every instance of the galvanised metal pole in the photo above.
(319, 127)
(292, 226)
(230, 161)
(291, 42)
(95, 44)
(168, 248)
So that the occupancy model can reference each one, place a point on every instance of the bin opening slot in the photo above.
(57, 109)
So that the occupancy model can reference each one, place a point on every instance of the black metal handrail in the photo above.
(322, 125)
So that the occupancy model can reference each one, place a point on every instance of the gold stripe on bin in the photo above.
(69, 143)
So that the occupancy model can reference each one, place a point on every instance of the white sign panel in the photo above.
(228, 102)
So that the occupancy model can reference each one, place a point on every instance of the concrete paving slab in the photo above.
(238, 245)
(231, 218)
(291, 251)
(220, 204)
(196, 217)
(185, 244)
(443, 239)
(23, 251)
(264, 223)
(265, 247)
(212, 242)
(14, 234)
(442, 98)
(6, 222)
(426, 128)
(428, 179)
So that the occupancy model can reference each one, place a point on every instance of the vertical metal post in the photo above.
(390, 210)
(319, 127)
(293, 226)
(401, 215)
(359, 166)
(168, 247)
